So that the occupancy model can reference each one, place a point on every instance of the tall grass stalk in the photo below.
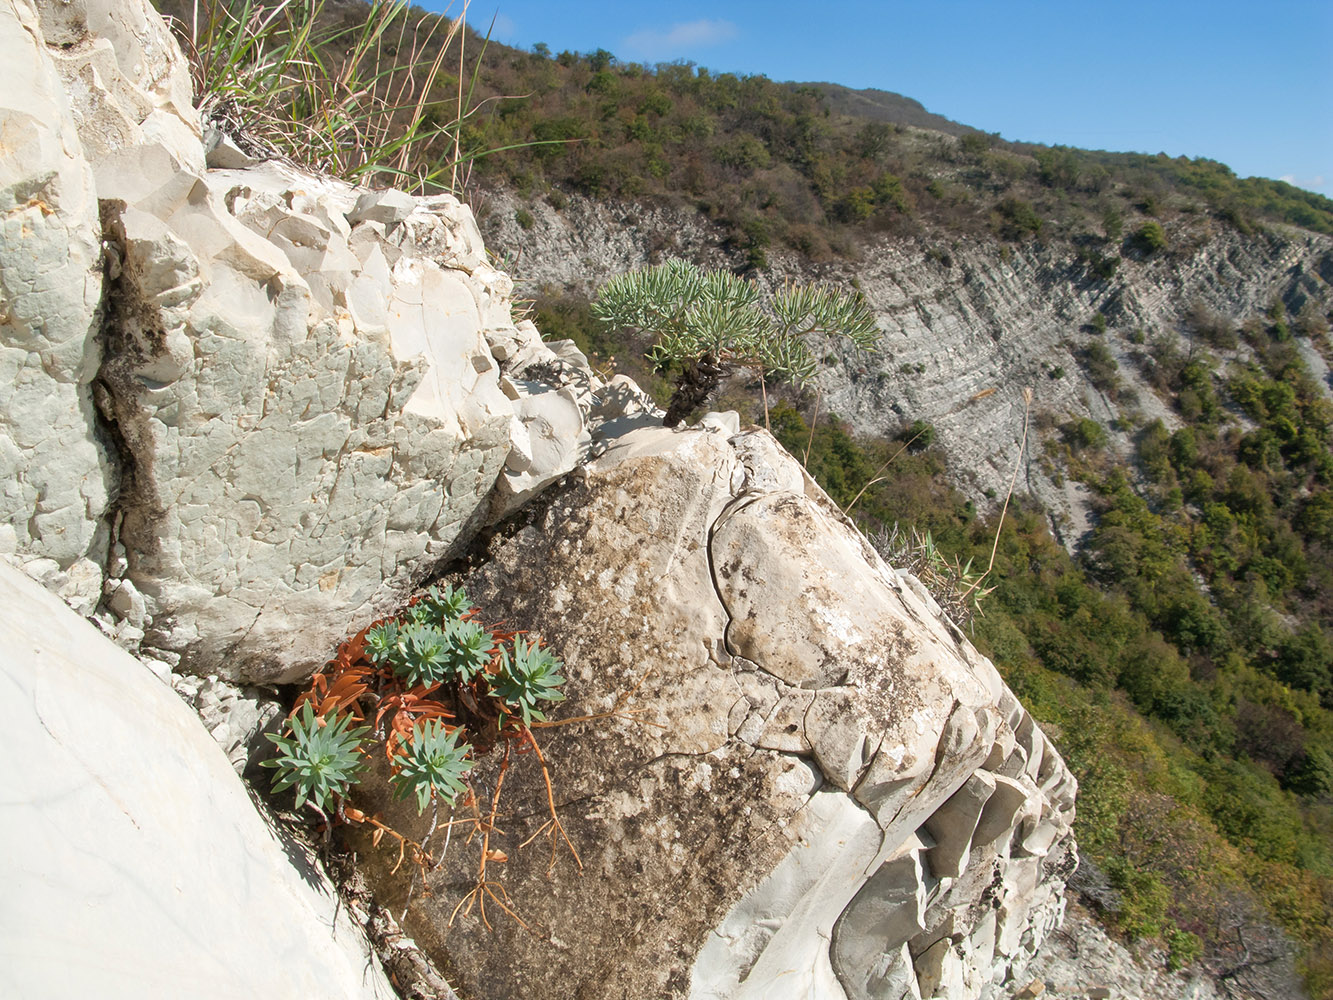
(1018, 463)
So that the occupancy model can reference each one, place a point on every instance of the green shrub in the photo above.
(1101, 366)
(1150, 237)
(918, 435)
(1144, 899)
(1085, 433)
(1017, 219)
(1113, 223)
(1183, 948)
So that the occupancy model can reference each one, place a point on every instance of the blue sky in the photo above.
(1249, 84)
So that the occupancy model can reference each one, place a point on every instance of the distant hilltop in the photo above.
(886, 106)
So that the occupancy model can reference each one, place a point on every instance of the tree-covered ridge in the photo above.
(810, 166)
(801, 164)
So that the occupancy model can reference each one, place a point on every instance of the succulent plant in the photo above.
(470, 648)
(422, 655)
(381, 643)
(439, 606)
(431, 654)
(320, 759)
(528, 678)
(433, 763)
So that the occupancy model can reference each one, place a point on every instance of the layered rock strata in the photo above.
(828, 791)
(966, 323)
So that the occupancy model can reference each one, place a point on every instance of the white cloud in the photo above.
(502, 29)
(1309, 183)
(672, 42)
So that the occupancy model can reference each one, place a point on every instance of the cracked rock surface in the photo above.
(248, 406)
(829, 793)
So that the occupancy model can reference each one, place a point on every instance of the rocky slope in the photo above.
(967, 324)
(252, 410)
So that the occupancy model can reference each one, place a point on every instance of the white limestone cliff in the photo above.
(301, 410)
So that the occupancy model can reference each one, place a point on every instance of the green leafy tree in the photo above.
(708, 324)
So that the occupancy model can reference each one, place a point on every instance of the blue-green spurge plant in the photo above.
(433, 764)
(440, 688)
(706, 324)
(320, 759)
(527, 679)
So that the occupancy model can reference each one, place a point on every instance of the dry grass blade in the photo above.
(349, 101)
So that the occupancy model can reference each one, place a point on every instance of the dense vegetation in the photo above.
(1182, 663)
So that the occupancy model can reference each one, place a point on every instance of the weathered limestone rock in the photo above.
(53, 472)
(804, 821)
(292, 472)
(136, 864)
(299, 382)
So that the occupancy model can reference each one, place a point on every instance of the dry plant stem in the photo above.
(462, 44)
(550, 800)
(878, 477)
(419, 855)
(418, 111)
(484, 888)
(628, 714)
(763, 391)
(490, 822)
(809, 442)
(616, 711)
(1018, 462)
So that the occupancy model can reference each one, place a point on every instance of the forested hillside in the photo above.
(1183, 656)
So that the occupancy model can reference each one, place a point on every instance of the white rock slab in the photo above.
(136, 865)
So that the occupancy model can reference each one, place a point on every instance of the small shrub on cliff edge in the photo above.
(707, 324)
(1150, 237)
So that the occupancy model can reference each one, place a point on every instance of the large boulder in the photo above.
(828, 791)
(136, 865)
(307, 391)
